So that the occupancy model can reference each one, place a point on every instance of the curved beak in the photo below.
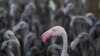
(46, 35)
(16, 28)
(74, 43)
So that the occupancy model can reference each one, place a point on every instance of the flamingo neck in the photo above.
(65, 44)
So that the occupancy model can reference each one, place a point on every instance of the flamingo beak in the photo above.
(74, 43)
(46, 35)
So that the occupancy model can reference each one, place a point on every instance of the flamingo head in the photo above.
(54, 31)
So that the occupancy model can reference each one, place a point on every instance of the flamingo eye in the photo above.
(54, 30)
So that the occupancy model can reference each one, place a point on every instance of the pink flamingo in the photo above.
(57, 31)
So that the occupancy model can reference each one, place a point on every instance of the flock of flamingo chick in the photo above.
(47, 28)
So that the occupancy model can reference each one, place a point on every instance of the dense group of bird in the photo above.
(45, 28)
